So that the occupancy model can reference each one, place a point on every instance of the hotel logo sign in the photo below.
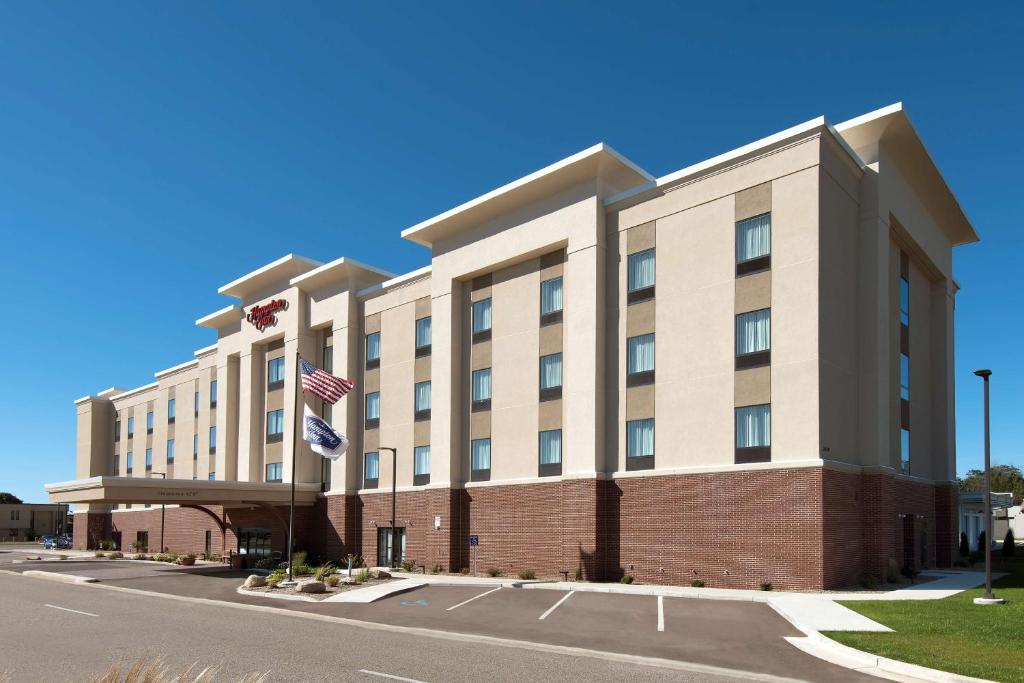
(265, 316)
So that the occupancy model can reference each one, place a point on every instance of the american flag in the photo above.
(323, 384)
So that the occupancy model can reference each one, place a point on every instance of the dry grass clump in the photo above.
(145, 670)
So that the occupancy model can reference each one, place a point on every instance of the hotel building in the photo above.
(738, 372)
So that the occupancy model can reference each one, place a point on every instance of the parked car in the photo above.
(47, 539)
(58, 543)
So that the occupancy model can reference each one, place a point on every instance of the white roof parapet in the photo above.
(330, 272)
(138, 390)
(205, 350)
(394, 282)
(180, 366)
(220, 317)
(285, 268)
(89, 397)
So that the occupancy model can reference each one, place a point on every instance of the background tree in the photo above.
(1005, 478)
(9, 499)
(965, 546)
(1009, 544)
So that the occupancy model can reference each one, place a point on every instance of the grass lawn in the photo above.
(952, 634)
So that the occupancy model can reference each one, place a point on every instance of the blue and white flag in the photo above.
(322, 438)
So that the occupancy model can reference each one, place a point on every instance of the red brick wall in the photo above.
(89, 529)
(415, 511)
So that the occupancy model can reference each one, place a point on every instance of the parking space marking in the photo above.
(473, 598)
(391, 677)
(555, 606)
(88, 614)
(661, 612)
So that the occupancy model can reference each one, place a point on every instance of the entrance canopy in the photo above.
(115, 490)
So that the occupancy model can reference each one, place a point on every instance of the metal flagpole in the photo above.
(295, 426)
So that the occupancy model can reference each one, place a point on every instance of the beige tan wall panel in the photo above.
(640, 318)
(550, 339)
(753, 201)
(640, 403)
(753, 386)
(549, 415)
(753, 292)
(481, 354)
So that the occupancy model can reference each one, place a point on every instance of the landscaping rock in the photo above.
(255, 581)
(380, 574)
(311, 587)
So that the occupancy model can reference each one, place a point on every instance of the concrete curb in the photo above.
(54, 576)
(276, 596)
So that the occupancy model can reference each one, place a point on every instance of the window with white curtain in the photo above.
(371, 466)
(421, 460)
(329, 358)
(551, 447)
(373, 346)
(753, 332)
(754, 238)
(422, 392)
(482, 385)
(551, 296)
(640, 354)
(275, 471)
(482, 315)
(754, 426)
(373, 406)
(551, 371)
(640, 270)
(213, 438)
(170, 450)
(275, 372)
(640, 438)
(481, 453)
(275, 423)
(423, 333)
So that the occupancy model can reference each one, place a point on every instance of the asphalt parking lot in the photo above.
(732, 634)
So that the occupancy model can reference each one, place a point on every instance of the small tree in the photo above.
(9, 498)
(1009, 544)
(965, 546)
(982, 541)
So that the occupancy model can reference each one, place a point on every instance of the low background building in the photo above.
(29, 521)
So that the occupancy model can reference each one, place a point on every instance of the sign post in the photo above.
(474, 541)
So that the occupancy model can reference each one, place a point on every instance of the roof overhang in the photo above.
(890, 127)
(281, 270)
(616, 173)
(338, 270)
(219, 319)
(117, 490)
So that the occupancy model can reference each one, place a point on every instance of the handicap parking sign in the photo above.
(474, 540)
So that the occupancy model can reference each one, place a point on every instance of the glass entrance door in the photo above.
(384, 546)
(254, 542)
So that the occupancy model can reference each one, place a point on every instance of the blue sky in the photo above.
(149, 153)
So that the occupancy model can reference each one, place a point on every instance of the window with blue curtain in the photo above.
(754, 238)
(149, 422)
(170, 410)
(421, 460)
(129, 460)
(481, 454)
(373, 346)
(640, 354)
(640, 438)
(753, 332)
(423, 333)
(170, 450)
(551, 447)
(373, 406)
(551, 371)
(213, 437)
(904, 301)
(149, 458)
(754, 426)
(482, 384)
(213, 475)
(422, 399)
(482, 315)
(371, 467)
(275, 422)
(195, 446)
(905, 451)
(640, 270)
(551, 296)
(275, 371)
(213, 392)
(275, 471)
(904, 376)
(131, 426)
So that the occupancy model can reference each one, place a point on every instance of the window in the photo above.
(117, 464)
(329, 358)
(373, 350)
(482, 320)
(421, 465)
(904, 362)
(550, 453)
(551, 377)
(149, 422)
(753, 339)
(15, 515)
(213, 439)
(753, 434)
(904, 301)
(275, 471)
(371, 470)
(117, 428)
(195, 406)
(640, 444)
(129, 460)
(905, 451)
(170, 451)
(421, 400)
(904, 377)
(481, 460)
(640, 276)
(373, 410)
(640, 360)
(275, 426)
(424, 337)
(551, 301)
(170, 411)
(149, 459)
(195, 446)
(213, 393)
(131, 426)
(754, 244)
(481, 389)
(213, 475)
(275, 373)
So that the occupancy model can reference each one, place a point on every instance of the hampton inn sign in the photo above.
(266, 315)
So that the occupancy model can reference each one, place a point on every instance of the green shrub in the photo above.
(464, 571)
(697, 583)
(493, 572)
(1009, 544)
(275, 578)
(62, 557)
(116, 555)
(172, 558)
(965, 546)
(626, 578)
(299, 557)
(868, 583)
(322, 572)
(527, 575)
(362, 576)
(436, 569)
(408, 565)
(139, 556)
(332, 580)
(579, 572)
(766, 585)
(99, 553)
(265, 563)
(982, 542)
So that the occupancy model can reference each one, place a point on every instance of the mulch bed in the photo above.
(340, 588)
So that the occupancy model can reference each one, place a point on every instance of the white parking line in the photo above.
(661, 612)
(88, 614)
(555, 606)
(389, 676)
(473, 598)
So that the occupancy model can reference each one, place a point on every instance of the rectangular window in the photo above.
(213, 439)
(275, 373)
(753, 434)
(640, 444)
(904, 301)
(373, 350)
(371, 470)
(481, 459)
(373, 410)
(149, 459)
(329, 359)
(170, 411)
(904, 377)
(275, 471)
(640, 360)
(170, 451)
(482, 320)
(213, 475)
(195, 407)
(421, 400)
(551, 377)
(905, 451)
(550, 453)
(551, 301)
(753, 244)
(117, 464)
(213, 393)
(117, 428)
(424, 337)
(149, 422)
(421, 465)
(131, 427)
(275, 426)
(753, 339)
(195, 446)
(640, 276)
(482, 389)
(130, 461)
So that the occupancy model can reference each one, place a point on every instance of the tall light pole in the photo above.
(163, 510)
(987, 598)
(394, 522)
